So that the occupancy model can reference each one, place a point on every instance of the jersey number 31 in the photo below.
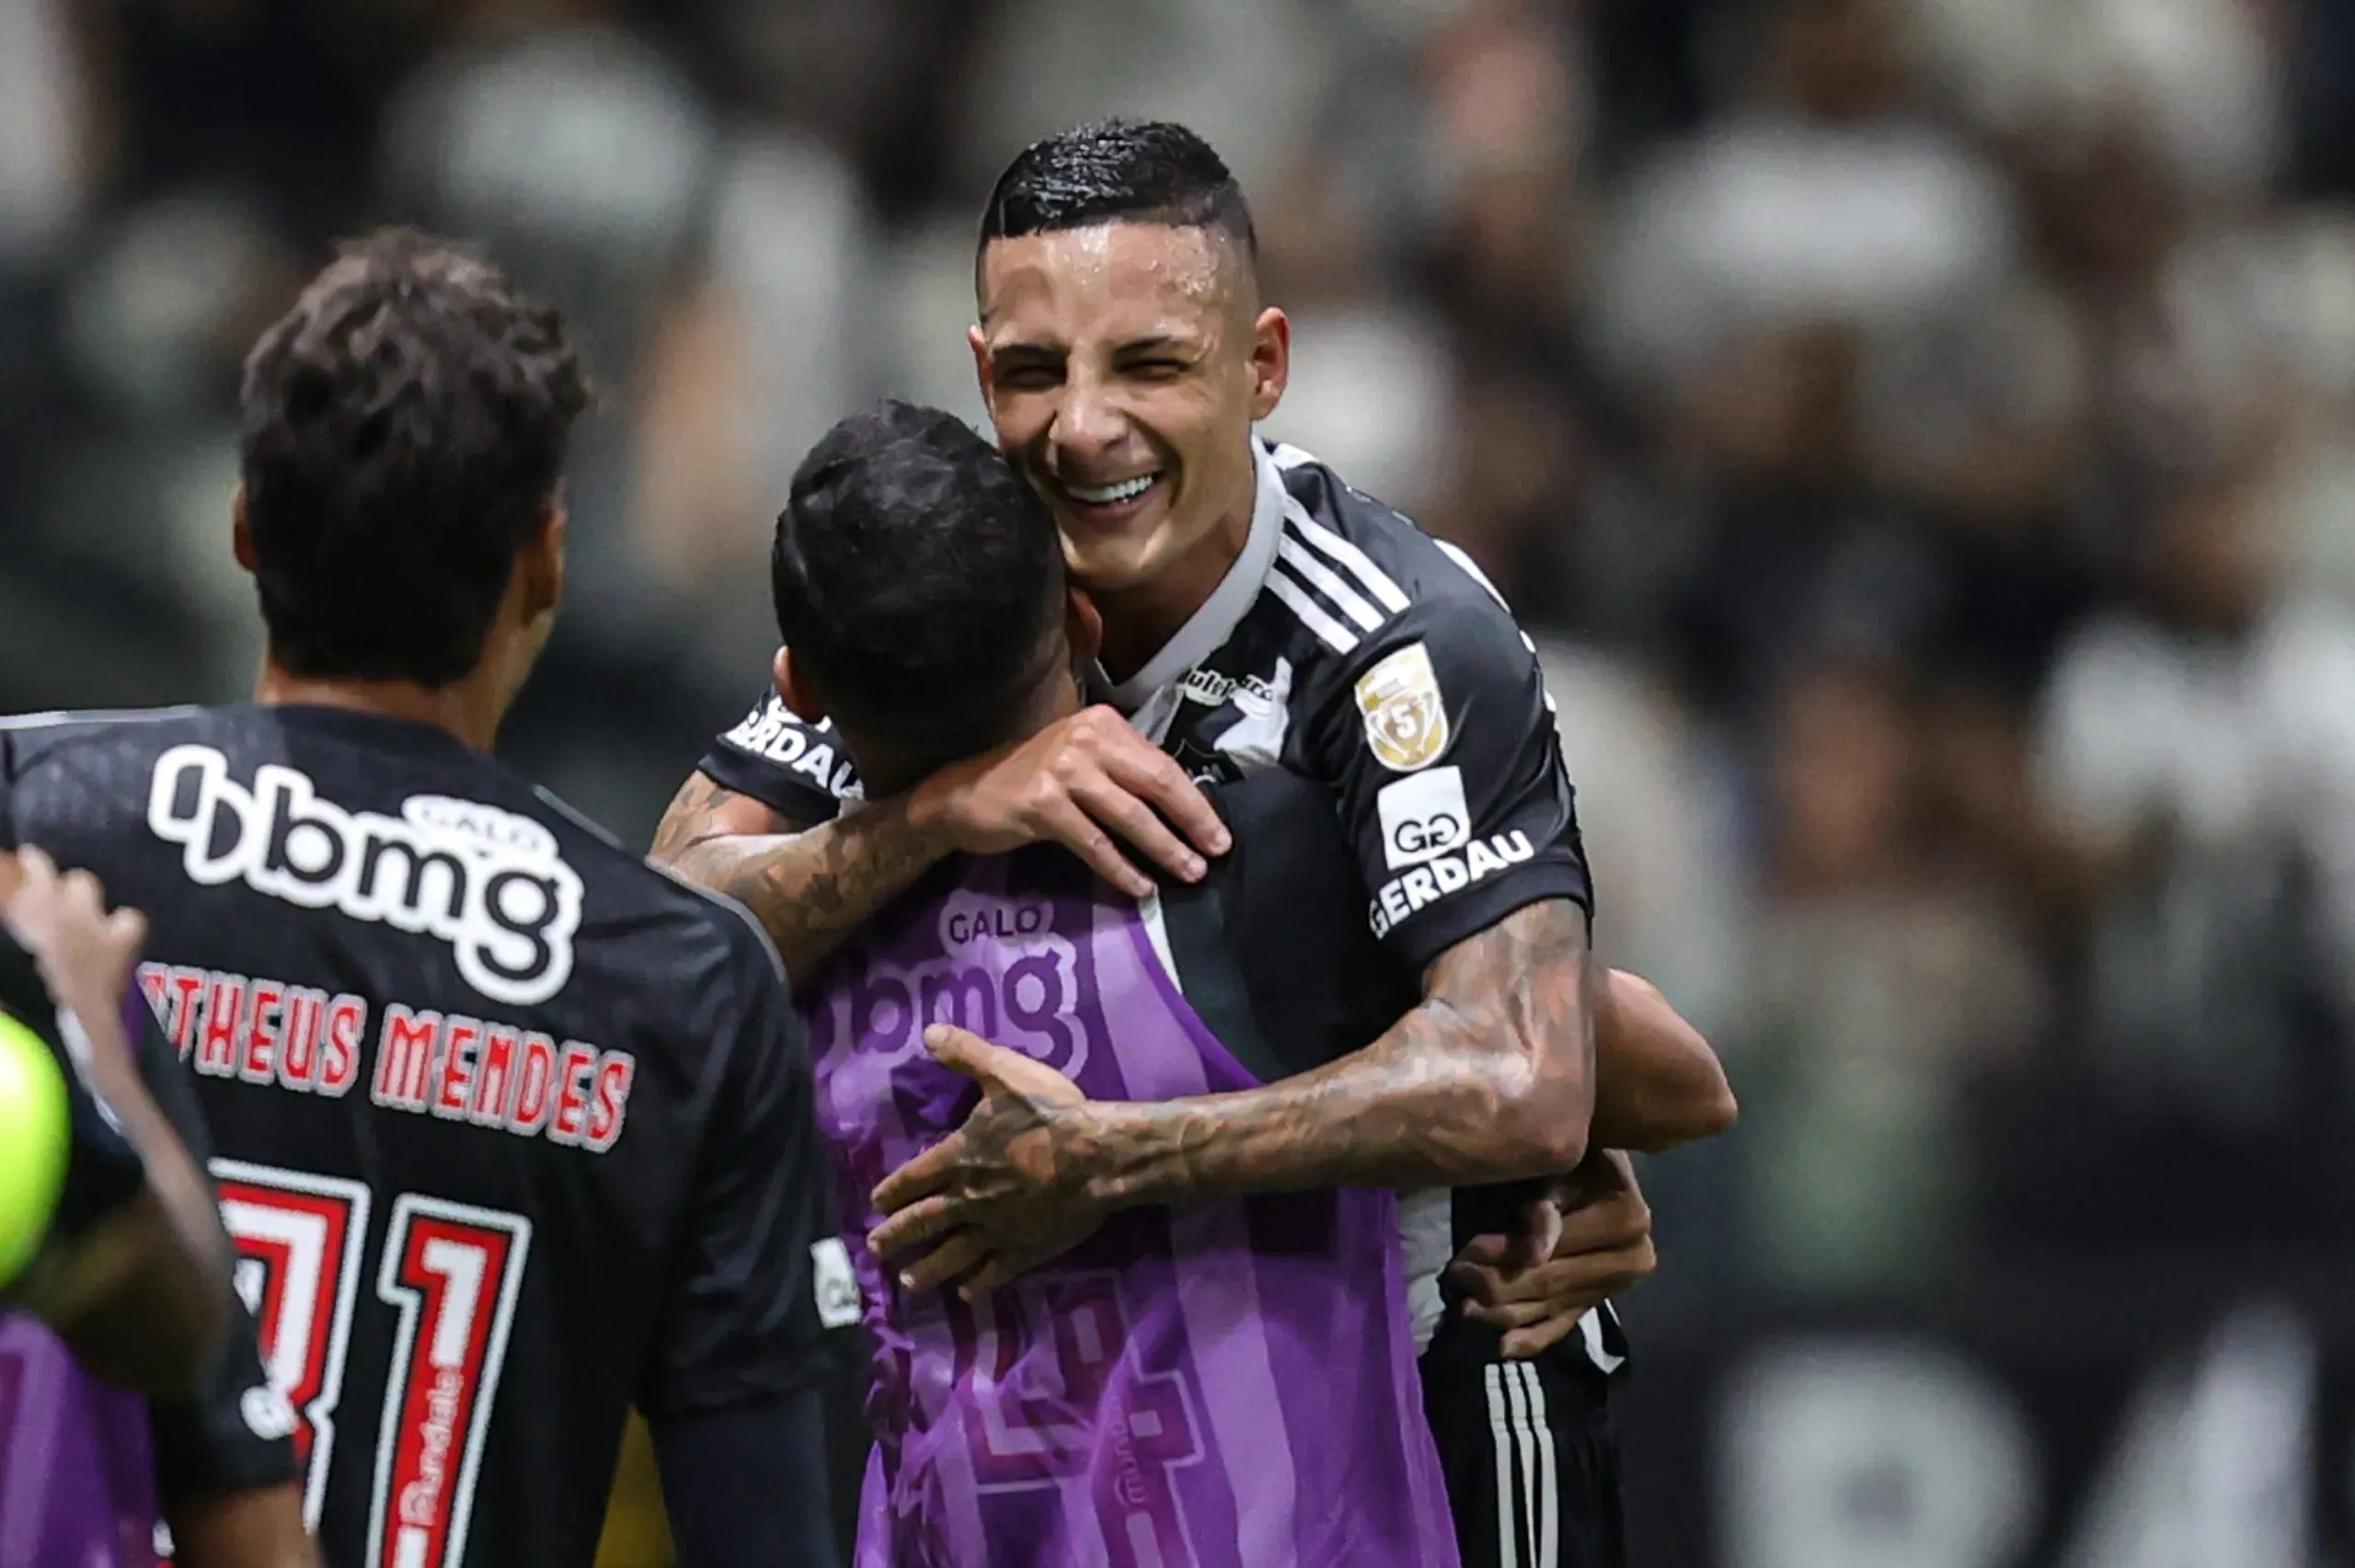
(450, 1273)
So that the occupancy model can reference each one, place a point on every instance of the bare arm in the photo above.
(1490, 1079)
(810, 886)
(1658, 1085)
(261, 1528)
(814, 887)
(144, 1299)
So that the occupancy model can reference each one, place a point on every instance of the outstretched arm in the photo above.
(1490, 1079)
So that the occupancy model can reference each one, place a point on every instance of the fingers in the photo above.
(920, 1177)
(1490, 1250)
(127, 928)
(1150, 774)
(1521, 1345)
(961, 1050)
(1540, 1231)
(1063, 822)
(918, 1225)
(1619, 1221)
(953, 1259)
(996, 1274)
(1103, 799)
(1581, 1280)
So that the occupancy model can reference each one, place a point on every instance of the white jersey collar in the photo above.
(1210, 627)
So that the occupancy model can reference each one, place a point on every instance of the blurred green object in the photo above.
(35, 1129)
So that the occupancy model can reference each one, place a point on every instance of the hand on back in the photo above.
(1068, 785)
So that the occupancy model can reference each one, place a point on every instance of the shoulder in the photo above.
(28, 739)
(722, 928)
(1375, 551)
(1372, 585)
(1399, 614)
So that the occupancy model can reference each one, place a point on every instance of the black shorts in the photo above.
(1532, 1463)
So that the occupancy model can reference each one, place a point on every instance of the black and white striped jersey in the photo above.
(1347, 645)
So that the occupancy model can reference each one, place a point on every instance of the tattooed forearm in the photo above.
(705, 809)
(809, 887)
(1490, 1079)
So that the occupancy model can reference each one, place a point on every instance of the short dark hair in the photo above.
(1119, 171)
(917, 579)
(404, 429)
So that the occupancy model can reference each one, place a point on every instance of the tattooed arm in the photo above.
(813, 886)
(1490, 1079)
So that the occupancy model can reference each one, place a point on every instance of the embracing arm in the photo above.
(1658, 1085)
(810, 886)
(1490, 1079)
(1076, 783)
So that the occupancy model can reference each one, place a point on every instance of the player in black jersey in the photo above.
(922, 616)
(1258, 612)
(513, 1128)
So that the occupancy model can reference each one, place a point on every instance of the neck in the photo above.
(461, 709)
(1140, 620)
(894, 770)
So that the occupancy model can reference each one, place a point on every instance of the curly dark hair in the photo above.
(919, 581)
(404, 431)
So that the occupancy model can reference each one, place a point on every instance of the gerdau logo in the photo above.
(488, 882)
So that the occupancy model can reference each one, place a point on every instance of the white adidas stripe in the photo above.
(1508, 1537)
(1291, 551)
(1374, 581)
(1312, 615)
(1528, 1491)
(1549, 1493)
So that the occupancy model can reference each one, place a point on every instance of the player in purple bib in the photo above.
(78, 1490)
(1232, 1384)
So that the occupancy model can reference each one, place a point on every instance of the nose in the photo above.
(1089, 419)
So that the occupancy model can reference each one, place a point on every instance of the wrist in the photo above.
(930, 816)
(1106, 1149)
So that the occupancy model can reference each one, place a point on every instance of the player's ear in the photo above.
(1083, 624)
(541, 567)
(981, 348)
(1270, 361)
(796, 691)
(241, 533)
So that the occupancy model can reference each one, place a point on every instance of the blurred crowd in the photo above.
(1917, 429)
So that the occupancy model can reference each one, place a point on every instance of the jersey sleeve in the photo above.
(1441, 742)
(235, 1434)
(797, 768)
(739, 1322)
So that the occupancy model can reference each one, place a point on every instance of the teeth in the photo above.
(1113, 495)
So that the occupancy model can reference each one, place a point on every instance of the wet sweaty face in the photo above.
(1116, 361)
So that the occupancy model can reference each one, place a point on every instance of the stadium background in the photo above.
(1920, 431)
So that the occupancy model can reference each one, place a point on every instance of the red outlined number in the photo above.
(451, 1276)
(299, 1239)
